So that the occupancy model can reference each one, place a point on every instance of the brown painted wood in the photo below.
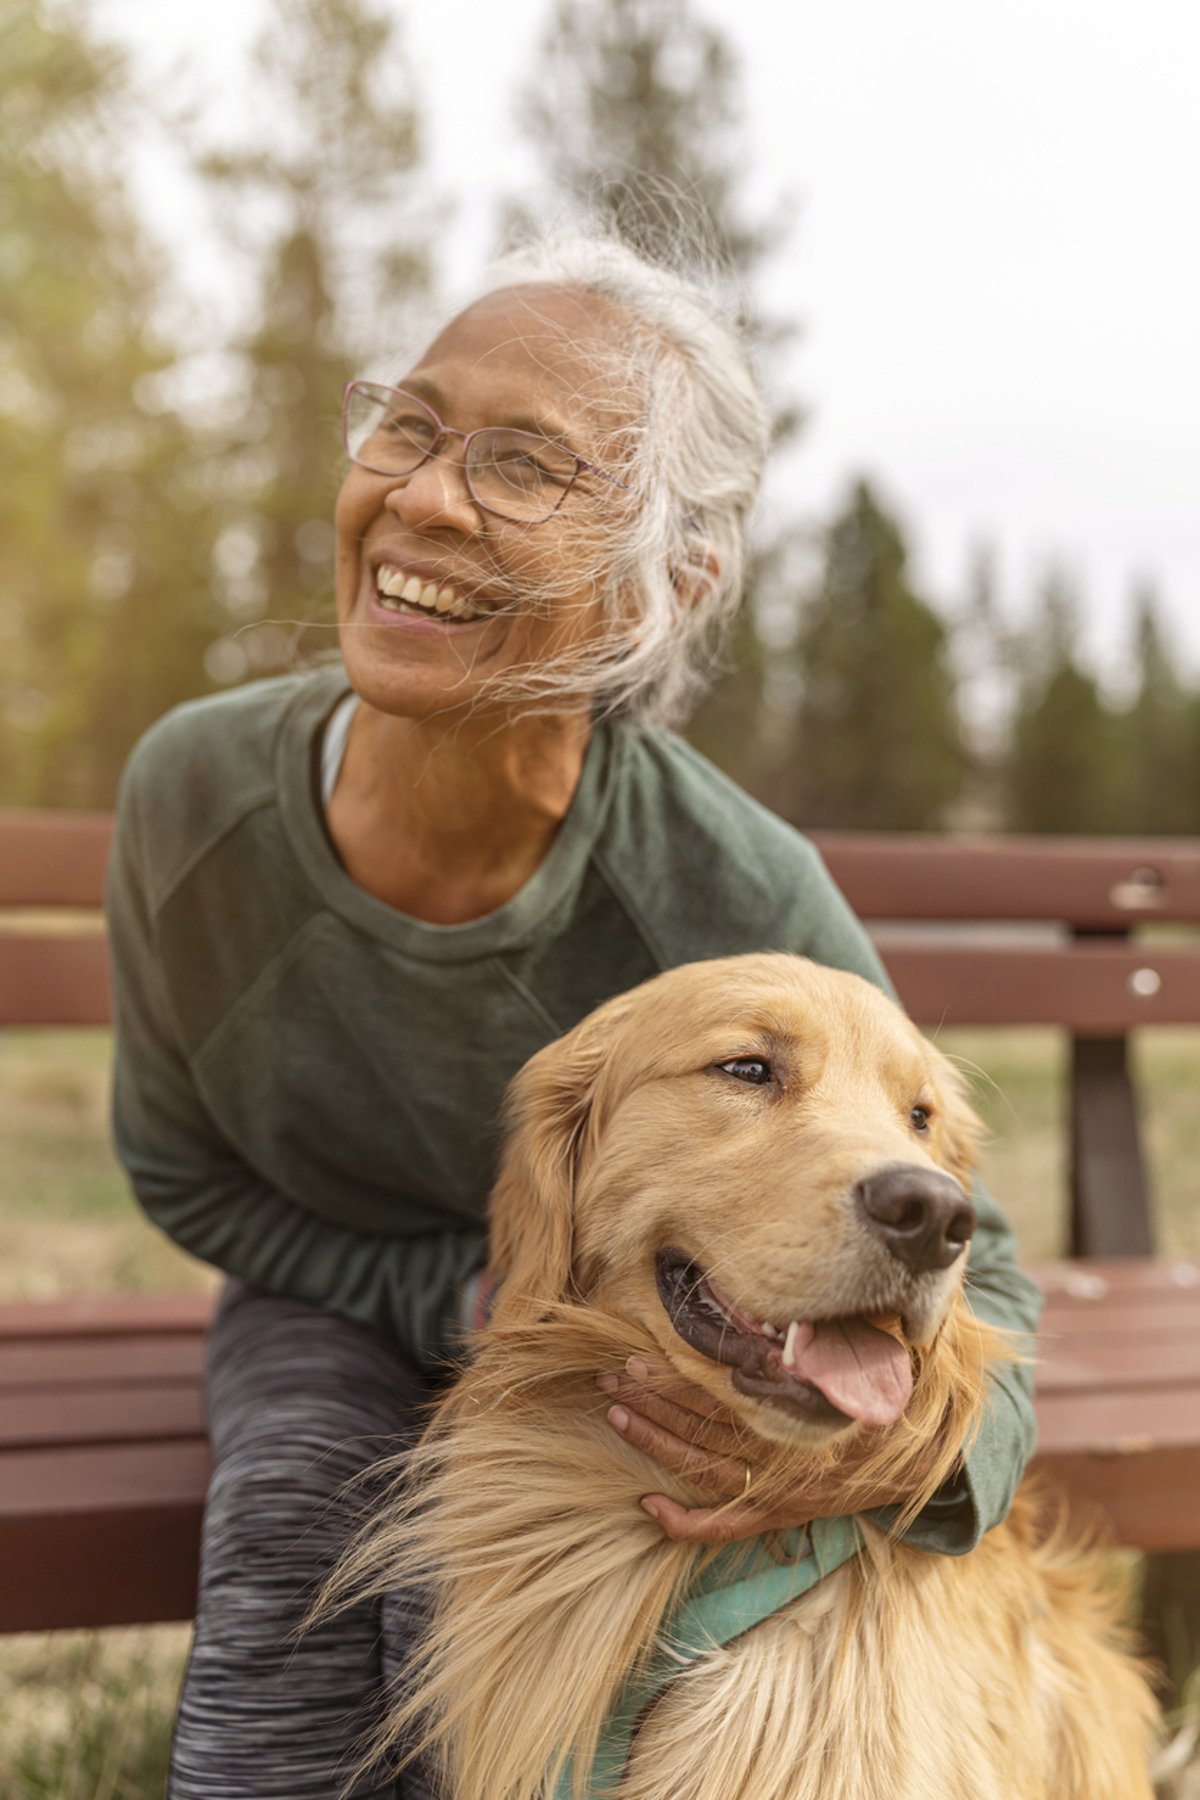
(1129, 1421)
(57, 979)
(53, 858)
(1079, 881)
(68, 1417)
(1090, 989)
(81, 1363)
(100, 1536)
(1148, 1319)
(1072, 1287)
(1114, 1362)
(1149, 1501)
(108, 1315)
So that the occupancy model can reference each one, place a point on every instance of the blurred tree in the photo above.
(1064, 761)
(636, 110)
(324, 195)
(105, 528)
(982, 655)
(1161, 779)
(876, 742)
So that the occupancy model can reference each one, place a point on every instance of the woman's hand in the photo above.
(692, 1435)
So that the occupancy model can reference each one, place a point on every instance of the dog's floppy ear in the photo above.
(550, 1118)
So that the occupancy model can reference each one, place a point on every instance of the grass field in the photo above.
(87, 1716)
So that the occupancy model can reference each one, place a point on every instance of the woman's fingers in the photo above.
(712, 1524)
(680, 1454)
(718, 1436)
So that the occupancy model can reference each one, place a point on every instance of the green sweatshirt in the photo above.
(308, 1083)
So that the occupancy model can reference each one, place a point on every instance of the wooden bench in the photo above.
(103, 1462)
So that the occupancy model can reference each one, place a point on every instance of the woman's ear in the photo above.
(550, 1124)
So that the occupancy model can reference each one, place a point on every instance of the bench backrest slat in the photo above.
(53, 858)
(1091, 882)
(54, 979)
(1089, 989)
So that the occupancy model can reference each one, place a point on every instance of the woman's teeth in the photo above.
(399, 592)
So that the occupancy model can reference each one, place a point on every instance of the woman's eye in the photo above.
(919, 1118)
(754, 1069)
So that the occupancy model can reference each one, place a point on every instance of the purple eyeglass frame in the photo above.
(448, 431)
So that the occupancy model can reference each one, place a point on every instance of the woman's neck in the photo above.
(447, 819)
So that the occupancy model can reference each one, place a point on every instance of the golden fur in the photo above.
(1002, 1675)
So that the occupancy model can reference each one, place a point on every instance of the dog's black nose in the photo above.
(922, 1216)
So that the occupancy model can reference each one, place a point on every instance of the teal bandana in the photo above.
(731, 1594)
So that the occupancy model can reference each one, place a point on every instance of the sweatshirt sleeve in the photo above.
(197, 1189)
(996, 1290)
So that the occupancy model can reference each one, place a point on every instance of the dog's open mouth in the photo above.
(829, 1371)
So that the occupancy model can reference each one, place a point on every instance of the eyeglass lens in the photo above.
(513, 473)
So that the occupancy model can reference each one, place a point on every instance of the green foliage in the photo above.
(1160, 739)
(876, 742)
(1064, 765)
(637, 111)
(336, 273)
(105, 525)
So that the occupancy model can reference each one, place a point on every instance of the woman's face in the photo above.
(525, 358)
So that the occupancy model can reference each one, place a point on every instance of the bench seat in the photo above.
(103, 1459)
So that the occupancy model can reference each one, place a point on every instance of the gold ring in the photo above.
(749, 1479)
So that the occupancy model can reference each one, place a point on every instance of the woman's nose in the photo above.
(435, 493)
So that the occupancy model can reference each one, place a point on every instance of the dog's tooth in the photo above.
(769, 1330)
(799, 1336)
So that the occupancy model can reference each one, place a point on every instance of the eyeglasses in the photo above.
(514, 474)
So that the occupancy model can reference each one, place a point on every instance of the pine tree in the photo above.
(105, 526)
(876, 742)
(1064, 762)
(337, 275)
(1161, 780)
(636, 110)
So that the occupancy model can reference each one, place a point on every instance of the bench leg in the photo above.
(1110, 1207)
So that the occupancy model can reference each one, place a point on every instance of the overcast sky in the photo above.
(996, 259)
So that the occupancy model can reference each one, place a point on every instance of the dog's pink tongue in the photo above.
(861, 1370)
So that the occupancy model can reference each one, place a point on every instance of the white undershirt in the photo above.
(333, 745)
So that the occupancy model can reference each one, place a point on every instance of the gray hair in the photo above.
(673, 564)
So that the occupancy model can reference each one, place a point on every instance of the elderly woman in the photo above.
(347, 905)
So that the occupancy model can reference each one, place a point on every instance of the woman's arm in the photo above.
(196, 1187)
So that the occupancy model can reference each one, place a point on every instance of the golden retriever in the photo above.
(755, 1168)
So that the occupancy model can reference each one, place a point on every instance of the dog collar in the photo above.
(731, 1594)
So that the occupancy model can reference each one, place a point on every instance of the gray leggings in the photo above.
(299, 1402)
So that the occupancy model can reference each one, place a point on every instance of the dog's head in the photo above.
(764, 1164)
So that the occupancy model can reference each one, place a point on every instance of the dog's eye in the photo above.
(918, 1118)
(754, 1069)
